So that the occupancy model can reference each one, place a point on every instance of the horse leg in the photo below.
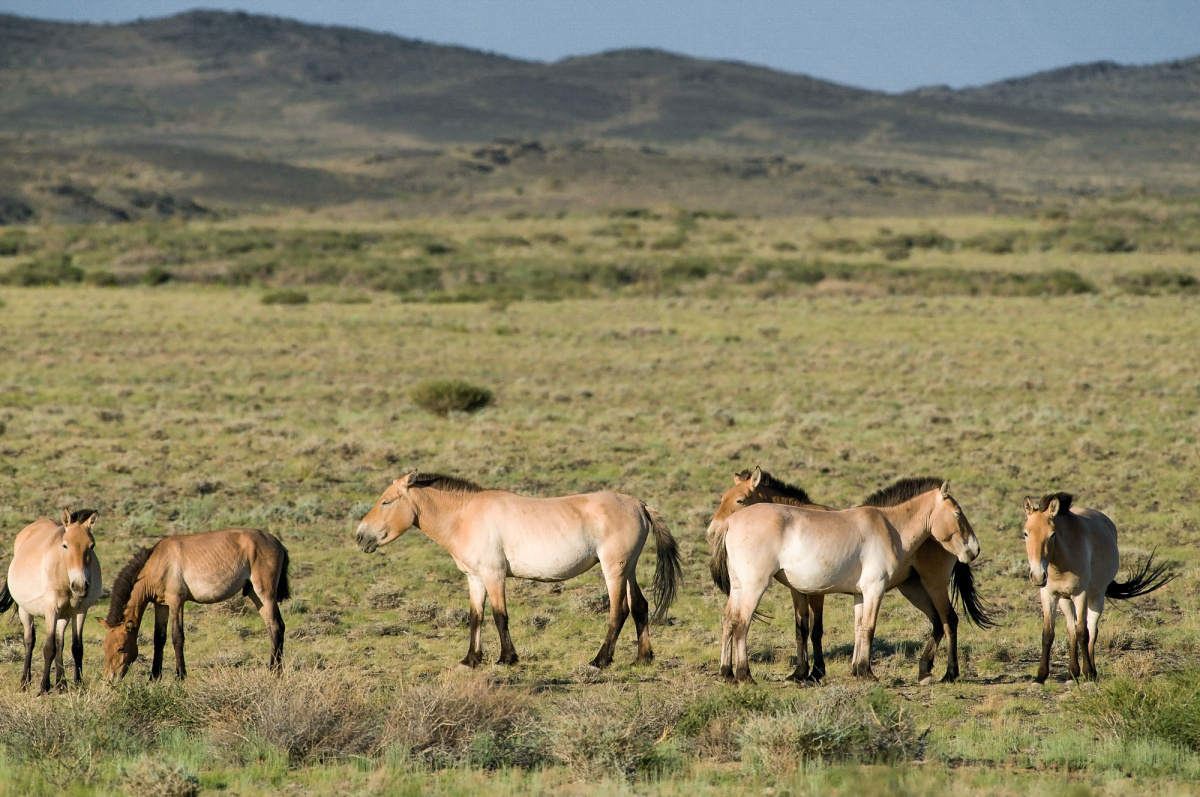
(816, 604)
(478, 595)
(727, 618)
(60, 644)
(940, 595)
(495, 591)
(263, 597)
(750, 596)
(268, 610)
(869, 615)
(1094, 610)
(1049, 607)
(77, 643)
(162, 616)
(800, 610)
(48, 650)
(618, 610)
(176, 610)
(640, 609)
(915, 593)
(30, 640)
(1080, 604)
(1068, 610)
(854, 656)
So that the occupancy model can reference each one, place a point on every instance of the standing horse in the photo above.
(1073, 558)
(862, 551)
(55, 574)
(494, 534)
(202, 568)
(927, 587)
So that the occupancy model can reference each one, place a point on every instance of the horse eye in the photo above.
(387, 503)
(740, 501)
(64, 546)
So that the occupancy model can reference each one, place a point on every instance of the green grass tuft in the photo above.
(443, 396)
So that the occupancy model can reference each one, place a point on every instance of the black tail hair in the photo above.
(283, 590)
(1148, 579)
(962, 589)
(6, 598)
(667, 570)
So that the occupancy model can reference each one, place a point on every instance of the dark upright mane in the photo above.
(81, 515)
(1064, 502)
(123, 585)
(787, 492)
(440, 481)
(903, 490)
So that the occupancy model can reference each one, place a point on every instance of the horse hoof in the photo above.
(949, 678)
(926, 680)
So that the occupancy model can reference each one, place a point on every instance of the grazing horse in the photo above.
(927, 587)
(495, 534)
(862, 551)
(1073, 558)
(54, 573)
(202, 568)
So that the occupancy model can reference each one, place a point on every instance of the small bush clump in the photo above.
(285, 296)
(1158, 281)
(443, 396)
(52, 270)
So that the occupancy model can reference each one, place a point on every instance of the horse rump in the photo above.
(1150, 577)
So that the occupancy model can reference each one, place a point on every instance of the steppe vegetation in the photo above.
(1010, 355)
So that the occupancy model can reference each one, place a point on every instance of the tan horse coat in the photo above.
(54, 574)
(493, 535)
(862, 551)
(1073, 558)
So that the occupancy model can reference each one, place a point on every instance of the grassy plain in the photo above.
(189, 404)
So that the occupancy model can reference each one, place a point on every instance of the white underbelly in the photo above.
(556, 564)
(214, 588)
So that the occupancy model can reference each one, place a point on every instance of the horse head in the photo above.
(78, 550)
(1038, 533)
(392, 515)
(950, 527)
(744, 492)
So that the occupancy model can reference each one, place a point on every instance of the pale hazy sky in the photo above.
(892, 45)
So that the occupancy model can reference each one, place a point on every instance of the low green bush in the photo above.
(285, 296)
(443, 396)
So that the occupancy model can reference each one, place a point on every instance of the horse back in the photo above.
(211, 566)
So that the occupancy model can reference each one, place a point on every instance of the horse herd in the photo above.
(912, 536)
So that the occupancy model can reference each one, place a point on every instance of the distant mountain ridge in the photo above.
(211, 85)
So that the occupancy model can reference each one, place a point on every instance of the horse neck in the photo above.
(437, 513)
(911, 520)
(139, 598)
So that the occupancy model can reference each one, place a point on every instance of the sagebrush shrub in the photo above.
(443, 396)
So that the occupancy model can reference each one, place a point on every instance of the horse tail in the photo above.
(6, 598)
(1149, 578)
(718, 565)
(963, 590)
(667, 570)
(283, 590)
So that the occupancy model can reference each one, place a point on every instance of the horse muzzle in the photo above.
(1037, 579)
(367, 541)
(970, 552)
(80, 588)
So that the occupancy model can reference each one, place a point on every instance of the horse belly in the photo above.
(549, 562)
(214, 586)
(818, 569)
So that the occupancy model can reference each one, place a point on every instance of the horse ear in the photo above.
(1052, 507)
(756, 477)
(738, 478)
(407, 479)
(66, 516)
(130, 626)
(946, 489)
(91, 521)
(1029, 505)
(104, 623)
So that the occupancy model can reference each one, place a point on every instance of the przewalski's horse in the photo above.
(1073, 558)
(54, 574)
(862, 551)
(495, 534)
(927, 587)
(202, 568)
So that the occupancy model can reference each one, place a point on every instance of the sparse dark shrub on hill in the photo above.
(155, 276)
(285, 296)
(13, 243)
(55, 269)
(994, 242)
(1098, 240)
(102, 278)
(1158, 281)
(443, 396)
